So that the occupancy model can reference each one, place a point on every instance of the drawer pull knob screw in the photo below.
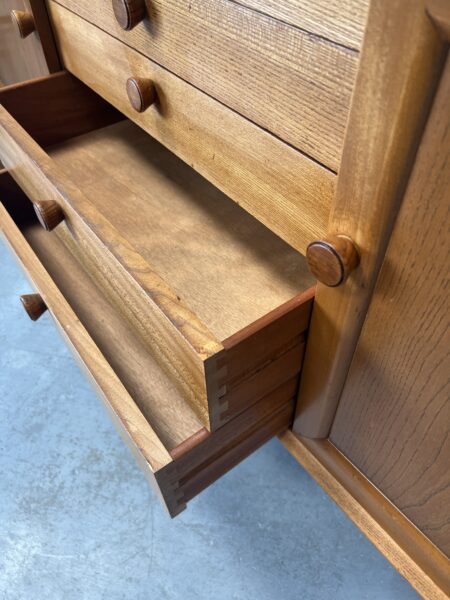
(24, 22)
(332, 259)
(33, 305)
(141, 93)
(49, 213)
(128, 13)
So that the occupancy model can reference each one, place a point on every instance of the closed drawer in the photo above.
(179, 457)
(223, 304)
(295, 85)
(283, 188)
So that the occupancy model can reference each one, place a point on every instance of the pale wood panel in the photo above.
(411, 553)
(393, 93)
(287, 192)
(20, 59)
(294, 85)
(224, 264)
(393, 419)
(342, 21)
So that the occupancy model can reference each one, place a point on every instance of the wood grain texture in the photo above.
(227, 267)
(199, 457)
(391, 102)
(150, 387)
(153, 308)
(393, 419)
(131, 423)
(209, 261)
(341, 21)
(20, 59)
(56, 107)
(283, 189)
(411, 553)
(294, 85)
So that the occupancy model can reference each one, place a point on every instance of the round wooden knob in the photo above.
(33, 305)
(128, 13)
(23, 21)
(141, 93)
(49, 213)
(332, 260)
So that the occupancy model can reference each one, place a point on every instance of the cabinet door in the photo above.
(393, 419)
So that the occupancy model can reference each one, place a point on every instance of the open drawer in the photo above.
(223, 303)
(178, 454)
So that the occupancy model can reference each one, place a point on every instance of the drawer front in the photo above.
(291, 83)
(179, 457)
(281, 187)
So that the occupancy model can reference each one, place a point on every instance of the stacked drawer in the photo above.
(196, 310)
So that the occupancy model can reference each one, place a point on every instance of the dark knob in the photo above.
(23, 21)
(128, 13)
(33, 305)
(332, 260)
(49, 213)
(141, 93)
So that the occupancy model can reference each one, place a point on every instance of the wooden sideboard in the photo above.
(185, 167)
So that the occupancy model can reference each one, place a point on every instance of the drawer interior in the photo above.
(220, 301)
(229, 268)
(197, 457)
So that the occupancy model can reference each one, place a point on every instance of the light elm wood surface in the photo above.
(411, 553)
(151, 304)
(196, 457)
(340, 21)
(400, 64)
(227, 267)
(293, 84)
(393, 419)
(183, 343)
(151, 389)
(283, 189)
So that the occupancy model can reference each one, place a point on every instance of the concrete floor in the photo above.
(79, 522)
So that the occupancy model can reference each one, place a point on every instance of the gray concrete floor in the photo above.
(78, 521)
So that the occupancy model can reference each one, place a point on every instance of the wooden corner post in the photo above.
(401, 60)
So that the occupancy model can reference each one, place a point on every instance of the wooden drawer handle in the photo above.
(128, 13)
(33, 305)
(332, 260)
(49, 213)
(141, 93)
(23, 21)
